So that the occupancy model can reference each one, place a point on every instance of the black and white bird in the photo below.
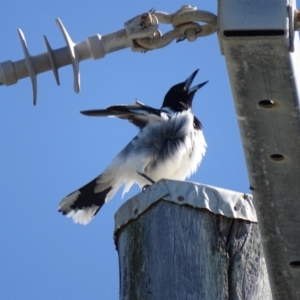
(169, 145)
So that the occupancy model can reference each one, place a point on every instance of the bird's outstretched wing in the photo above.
(138, 114)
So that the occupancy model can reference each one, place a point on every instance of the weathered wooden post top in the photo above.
(182, 240)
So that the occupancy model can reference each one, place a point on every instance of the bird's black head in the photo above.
(180, 96)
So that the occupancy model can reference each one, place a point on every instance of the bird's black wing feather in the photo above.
(138, 114)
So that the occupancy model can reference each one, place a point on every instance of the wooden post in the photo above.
(172, 249)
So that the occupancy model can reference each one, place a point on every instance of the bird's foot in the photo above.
(146, 177)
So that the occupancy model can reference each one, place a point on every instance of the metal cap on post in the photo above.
(181, 240)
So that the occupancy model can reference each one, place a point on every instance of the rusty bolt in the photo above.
(237, 207)
(146, 20)
(245, 196)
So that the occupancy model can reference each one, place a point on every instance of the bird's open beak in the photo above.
(189, 82)
(197, 87)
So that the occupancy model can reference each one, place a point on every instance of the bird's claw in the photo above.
(146, 177)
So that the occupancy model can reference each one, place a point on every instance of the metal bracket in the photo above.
(141, 34)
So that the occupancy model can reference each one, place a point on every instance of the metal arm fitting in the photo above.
(141, 34)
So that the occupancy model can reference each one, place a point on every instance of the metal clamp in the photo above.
(185, 26)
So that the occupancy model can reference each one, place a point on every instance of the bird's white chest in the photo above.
(171, 148)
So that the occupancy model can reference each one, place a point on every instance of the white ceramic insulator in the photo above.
(73, 55)
(29, 65)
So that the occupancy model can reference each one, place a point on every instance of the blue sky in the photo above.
(50, 150)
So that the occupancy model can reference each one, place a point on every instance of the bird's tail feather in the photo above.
(83, 204)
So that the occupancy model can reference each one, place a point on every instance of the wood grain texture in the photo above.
(174, 252)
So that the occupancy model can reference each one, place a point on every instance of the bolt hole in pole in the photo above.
(266, 103)
(277, 157)
(295, 264)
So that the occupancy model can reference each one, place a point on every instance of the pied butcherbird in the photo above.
(170, 145)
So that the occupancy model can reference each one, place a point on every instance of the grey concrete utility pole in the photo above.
(262, 51)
